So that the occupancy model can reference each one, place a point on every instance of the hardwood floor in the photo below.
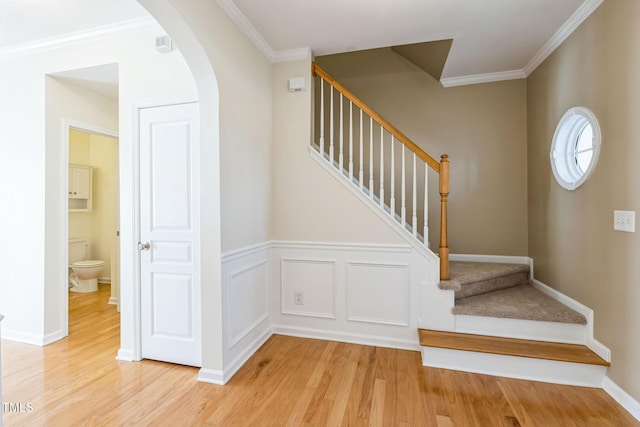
(288, 382)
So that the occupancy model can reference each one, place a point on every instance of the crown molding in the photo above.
(482, 78)
(230, 8)
(292, 55)
(78, 37)
(574, 21)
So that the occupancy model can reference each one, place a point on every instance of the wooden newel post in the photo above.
(443, 250)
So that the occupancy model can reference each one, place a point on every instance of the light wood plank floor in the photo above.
(288, 382)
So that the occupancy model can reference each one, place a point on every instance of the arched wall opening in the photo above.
(180, 30)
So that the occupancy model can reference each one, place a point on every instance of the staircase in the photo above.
(486, 317)
(506, 326)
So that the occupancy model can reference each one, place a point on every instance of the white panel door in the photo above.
(169, 234)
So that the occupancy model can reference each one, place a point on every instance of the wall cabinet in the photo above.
(80, 188)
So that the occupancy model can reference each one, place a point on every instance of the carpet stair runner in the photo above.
(503, 290)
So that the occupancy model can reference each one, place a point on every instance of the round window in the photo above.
(575, 147)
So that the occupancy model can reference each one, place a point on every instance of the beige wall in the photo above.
(308, 203)
(481, 127)
(571, 237)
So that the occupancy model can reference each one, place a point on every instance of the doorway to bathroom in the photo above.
(93, 220)
(85, 104)
(93, 212)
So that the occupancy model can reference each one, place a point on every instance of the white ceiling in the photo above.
(27, 21)
(492, 39)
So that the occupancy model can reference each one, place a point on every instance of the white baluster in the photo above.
(370, 157)
(381, 167)
(322, 117)
(425, 231)
(403, 196)
(392, 199)
(350, 141)
(361, 172)
(341, 154)
(331, 128)
(414, 217)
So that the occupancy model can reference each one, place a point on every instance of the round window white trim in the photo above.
(564, 152)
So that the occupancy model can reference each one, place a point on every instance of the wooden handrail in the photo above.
(433, 163)
(442, 167)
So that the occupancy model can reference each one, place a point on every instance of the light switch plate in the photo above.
(624, 221)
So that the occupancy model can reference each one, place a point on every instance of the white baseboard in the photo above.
(53, 337)
(17, 336)
(525, 368)
(125, 355)
(39, 340)
(622, 397)
(106, 280)
(235, 365)
(211, 376)
(113, 301)
(590, 341)
(347, 337)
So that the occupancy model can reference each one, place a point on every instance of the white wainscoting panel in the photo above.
(246, 310)
(248, 288)
(378, 293)
(308, 287)
(367, 294)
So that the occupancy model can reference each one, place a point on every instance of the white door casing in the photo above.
(169, 224)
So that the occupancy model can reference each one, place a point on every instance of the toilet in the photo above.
(83, 274)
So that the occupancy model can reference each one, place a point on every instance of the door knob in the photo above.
(144, 246)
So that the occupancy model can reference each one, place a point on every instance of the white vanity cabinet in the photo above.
(80, 188)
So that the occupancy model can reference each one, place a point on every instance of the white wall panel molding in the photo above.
(246, 308)
(376, 289)
(246, 251)
(307, 287)
(360, 293)
(390, 285)
(337, 246)
(248, 288)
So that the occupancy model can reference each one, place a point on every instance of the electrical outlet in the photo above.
(624, 221)
(298, 298)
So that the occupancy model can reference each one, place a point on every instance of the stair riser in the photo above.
(522, 329)
(490, 285)
(515, 367)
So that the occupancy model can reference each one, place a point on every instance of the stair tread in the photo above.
(563, 352)
(519, 302)
(463, 273)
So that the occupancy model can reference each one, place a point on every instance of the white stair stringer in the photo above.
(551, 371)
